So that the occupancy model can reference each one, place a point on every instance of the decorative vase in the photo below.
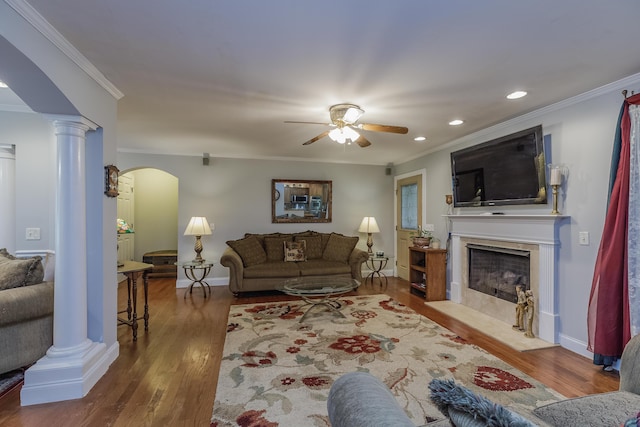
(421, 241)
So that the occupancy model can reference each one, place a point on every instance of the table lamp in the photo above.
(369, 226)
(198, 226)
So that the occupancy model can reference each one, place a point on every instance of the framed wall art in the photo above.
(111, 181)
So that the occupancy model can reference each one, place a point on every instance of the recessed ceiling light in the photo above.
(3, 84)
(517, 94)
(419, 138)
(456, 122)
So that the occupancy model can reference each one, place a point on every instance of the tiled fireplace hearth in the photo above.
(532, 234)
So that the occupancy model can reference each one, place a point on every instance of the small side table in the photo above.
(133, 270)
(196, 272)
(376, 264)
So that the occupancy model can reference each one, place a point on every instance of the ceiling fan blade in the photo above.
(383, 128)
(363, 142)
(308, 123)
(315, 138)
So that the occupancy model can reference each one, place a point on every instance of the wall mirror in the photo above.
(296, 200)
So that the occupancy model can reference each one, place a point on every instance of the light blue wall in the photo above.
(582, 131)
(235, 194)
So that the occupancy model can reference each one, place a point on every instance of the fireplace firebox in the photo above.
(496, 271)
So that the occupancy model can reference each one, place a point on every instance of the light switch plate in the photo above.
(583, 238)
(33, 234)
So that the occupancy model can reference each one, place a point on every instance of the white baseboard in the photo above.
(577, 346)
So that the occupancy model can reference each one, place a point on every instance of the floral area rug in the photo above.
(10, 380)
(276, 371)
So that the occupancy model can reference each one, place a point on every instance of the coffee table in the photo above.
(319, 291)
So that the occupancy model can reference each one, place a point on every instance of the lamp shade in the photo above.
(198, 226)
(369, 225)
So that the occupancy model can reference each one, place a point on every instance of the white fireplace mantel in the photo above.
(541, 230)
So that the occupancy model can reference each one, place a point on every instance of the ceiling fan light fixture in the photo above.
(341, 135)
(352, 115)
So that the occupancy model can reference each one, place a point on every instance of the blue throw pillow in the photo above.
(465, 408)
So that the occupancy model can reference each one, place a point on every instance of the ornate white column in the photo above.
(8, 197)
(71, 366)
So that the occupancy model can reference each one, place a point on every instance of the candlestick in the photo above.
(555, 199)
(556, 176)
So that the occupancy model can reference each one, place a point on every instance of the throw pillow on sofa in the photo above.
(339, 247)
(275, 248)
(313, 244)
(17, 272)
(295, 251)
(250, 250)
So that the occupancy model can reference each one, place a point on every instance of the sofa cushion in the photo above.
(320, 267)
(339, 247)
(313, 244)
(274, 246)
(272, 269)
(250, 250)
(17, 272)
(468, 409)
(295, 251)
(604, 409)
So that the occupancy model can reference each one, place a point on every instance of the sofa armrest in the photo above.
(356, 259)
(630, 366)
(231, 259)
(25, 303)
(360, 399)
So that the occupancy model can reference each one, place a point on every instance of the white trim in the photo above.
(38, 22)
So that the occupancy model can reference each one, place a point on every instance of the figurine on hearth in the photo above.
(530, 307)
(520, 308)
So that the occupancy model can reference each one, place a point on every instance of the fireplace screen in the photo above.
(496, 271)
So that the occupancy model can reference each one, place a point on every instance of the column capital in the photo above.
(60, 120)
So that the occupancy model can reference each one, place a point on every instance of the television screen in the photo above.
(504, 171)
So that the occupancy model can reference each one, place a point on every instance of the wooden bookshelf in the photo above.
(428, 272)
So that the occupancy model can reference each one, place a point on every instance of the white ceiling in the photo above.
(221, 76)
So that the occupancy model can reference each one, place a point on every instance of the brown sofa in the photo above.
(26, 312)
(257, 261)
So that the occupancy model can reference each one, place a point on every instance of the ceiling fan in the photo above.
(344, 118)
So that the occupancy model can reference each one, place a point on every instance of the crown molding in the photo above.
(628, 83)
(36, 20)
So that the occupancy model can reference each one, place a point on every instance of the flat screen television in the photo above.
(505, 171)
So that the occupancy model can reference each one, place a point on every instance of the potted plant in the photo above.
(421, 237)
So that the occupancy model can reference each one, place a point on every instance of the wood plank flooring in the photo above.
(168, 377)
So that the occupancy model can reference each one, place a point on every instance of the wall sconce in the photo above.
(556, 174)
(198, 226)
(448, 198)
(369, 226)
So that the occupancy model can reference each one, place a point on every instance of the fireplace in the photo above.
(534, 237)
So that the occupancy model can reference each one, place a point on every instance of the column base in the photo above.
(67, 375)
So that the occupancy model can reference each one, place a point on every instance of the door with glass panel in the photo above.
(409, 214)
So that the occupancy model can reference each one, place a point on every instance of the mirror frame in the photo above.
(276, 220)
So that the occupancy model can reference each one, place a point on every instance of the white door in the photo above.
(126, 243)
(409, 217)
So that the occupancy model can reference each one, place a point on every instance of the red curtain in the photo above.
(608, 313)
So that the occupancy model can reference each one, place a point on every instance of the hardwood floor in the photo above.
(168, 377)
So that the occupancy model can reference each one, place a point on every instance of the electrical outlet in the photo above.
(583, 238)
(33, 234)
(429, 227)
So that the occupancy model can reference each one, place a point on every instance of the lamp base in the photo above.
(198, 249)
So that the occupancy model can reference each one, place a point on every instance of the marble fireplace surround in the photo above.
(534, 233)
